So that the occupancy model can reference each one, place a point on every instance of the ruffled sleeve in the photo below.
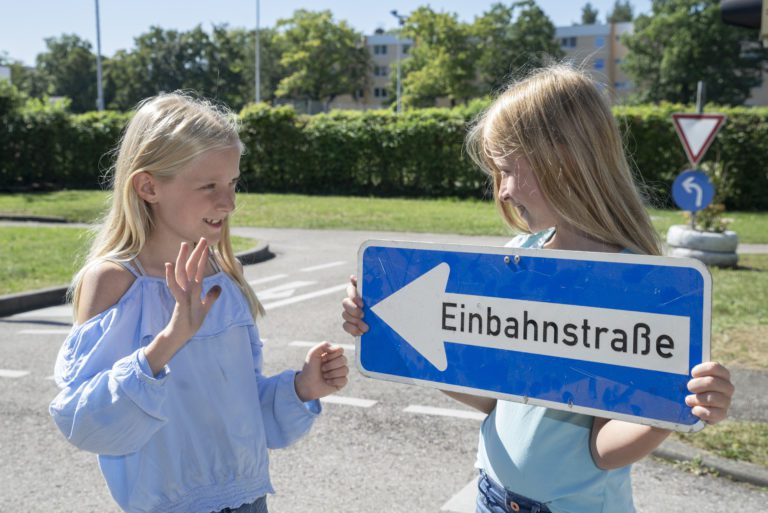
(108, 404)
(286, 418)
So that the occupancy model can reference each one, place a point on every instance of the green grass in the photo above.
(26, 263)
(743, 441)
(466, 217)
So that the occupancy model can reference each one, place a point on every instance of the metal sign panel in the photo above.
(696, 132)
(692, 190)
(605, 334)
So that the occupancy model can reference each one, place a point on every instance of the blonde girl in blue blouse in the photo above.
(161, 375)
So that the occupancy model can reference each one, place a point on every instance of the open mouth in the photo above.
(215, 223)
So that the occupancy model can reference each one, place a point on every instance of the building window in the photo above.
(381, 71)
(568, 42)
(599, 63)
(599, 41)
(380, 92)
(380, 49)
(622, 86)
(406, 49)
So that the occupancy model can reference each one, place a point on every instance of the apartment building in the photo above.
(384, 56)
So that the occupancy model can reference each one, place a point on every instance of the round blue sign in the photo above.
(692, 190)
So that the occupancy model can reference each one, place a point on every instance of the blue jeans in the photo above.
(494, 498)
(257, 506)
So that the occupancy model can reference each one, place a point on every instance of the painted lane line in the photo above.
(54, 331)
(53, 311)
(445, 412)
(283, 291)
(268, 279)
(303, 297)
(303, 343)
(322, 266)
(8, 373)
(464, 501)
(348, 401)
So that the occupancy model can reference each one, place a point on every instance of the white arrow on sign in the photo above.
(426, 317)
(689, 184)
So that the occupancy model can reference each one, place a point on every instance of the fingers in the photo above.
(353, 314)
(170, 280)
(198, 260)
(334, 368)
(712, 392)
(181, 260)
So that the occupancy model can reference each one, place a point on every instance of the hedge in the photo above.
(418, 153)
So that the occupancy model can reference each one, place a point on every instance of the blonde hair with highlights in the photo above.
(560, 121)
(166, 133)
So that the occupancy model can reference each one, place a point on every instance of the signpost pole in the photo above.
(700, 98)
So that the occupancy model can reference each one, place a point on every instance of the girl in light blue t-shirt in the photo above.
(560, 176)
(161, 375)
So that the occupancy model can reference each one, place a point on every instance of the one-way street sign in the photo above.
(606, 334)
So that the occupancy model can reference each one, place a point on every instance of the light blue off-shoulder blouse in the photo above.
(194, 438)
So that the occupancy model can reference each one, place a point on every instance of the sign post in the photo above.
(612, 335)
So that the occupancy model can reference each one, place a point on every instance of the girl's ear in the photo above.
(145, 186)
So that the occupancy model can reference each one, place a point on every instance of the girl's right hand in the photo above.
(185, 280)
(353, 310)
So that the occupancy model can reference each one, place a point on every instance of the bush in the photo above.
(417, 153)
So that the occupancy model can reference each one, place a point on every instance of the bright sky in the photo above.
(25, 23)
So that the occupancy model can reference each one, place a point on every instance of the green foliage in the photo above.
(621, 12)
(684, 41)
(322, 58)
(442, 61)
(69, 66)
(588, 14)
(513, 39)
(417, 153)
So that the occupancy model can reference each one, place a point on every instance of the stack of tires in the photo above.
(712, 248)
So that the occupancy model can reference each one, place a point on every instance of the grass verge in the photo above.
(466, 217)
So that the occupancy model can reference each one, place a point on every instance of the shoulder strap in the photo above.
(214, 260)
(128, 265)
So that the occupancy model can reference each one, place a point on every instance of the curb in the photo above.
(25, 218)
(20, 302)
(672, 450)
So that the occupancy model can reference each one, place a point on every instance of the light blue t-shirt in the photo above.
(545, 455)
(193, 439)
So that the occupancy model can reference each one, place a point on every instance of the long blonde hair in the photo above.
(561, 122)
(166, 133)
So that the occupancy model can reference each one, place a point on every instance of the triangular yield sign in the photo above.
(696, 132)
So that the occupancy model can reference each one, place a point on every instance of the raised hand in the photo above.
(185, 281)
(711, 390)
(325, 372)
(353, 310)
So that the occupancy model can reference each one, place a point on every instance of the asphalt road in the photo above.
(378, 447)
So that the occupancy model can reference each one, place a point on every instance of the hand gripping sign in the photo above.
(605, 334)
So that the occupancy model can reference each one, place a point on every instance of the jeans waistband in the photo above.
(511, 502)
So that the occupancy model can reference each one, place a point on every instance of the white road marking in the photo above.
(52, 331)
(8, 373)
(348, 401)
(268, 279)
(283, 291)
(445, 412)
(303, 343)
(464, 501)
(303, 297)
(322, 266)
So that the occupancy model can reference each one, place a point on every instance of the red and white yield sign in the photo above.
(697, 131)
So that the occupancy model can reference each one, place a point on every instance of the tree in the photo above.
(69, 68)
(622, 11)
(684, 41)
(588, 14)
(322, 59)
(512, 39)
(442, 62)
(26, 79)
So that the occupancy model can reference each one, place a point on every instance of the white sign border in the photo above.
(628, 258)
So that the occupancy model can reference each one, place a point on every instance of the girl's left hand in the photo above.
(325, 372)
(712, 392)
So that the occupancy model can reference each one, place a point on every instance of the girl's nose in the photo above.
(227, 201)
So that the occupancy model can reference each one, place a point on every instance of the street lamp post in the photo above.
(258, 56)
(401, 21)
(99, 88)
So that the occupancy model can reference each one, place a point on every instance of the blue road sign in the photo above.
(614, 335)
(692, 190)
